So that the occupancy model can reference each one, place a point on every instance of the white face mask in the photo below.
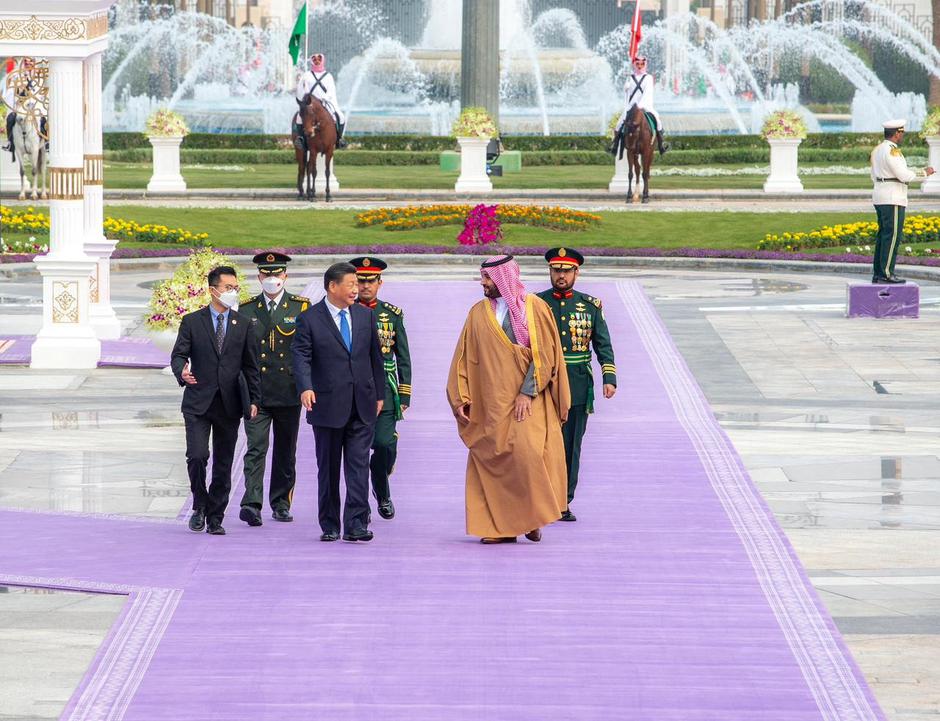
(272, 285)
(229, 299)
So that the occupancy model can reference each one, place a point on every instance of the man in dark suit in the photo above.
(214, 345)
(340, 375)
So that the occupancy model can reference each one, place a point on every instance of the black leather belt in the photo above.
(890, 180)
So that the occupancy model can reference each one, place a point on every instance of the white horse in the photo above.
(27, 142)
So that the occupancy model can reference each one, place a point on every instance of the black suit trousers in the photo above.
(350, 447)
(224, 430)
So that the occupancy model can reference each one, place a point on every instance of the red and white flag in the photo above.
(636, 32)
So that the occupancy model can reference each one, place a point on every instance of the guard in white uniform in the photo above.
(638, 90)
(890, 175)
(320, 83)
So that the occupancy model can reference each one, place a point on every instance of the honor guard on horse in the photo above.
(17, 88)
(638, 90)
(320, 84)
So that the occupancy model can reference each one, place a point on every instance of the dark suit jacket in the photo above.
(216, 373)
(339, 378)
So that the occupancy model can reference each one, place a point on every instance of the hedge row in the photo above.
(427, 143)
(721, 156)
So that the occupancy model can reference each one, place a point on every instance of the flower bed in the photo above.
(165, 123)
(413, 217)
(20, 246)
(31, 221)
(931, 126)
(783, 124)
(917, 229)
(474, 122)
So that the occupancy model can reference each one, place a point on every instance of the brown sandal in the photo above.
(489, 540)
(534, 536)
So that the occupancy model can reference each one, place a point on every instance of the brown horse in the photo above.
(638, 142)
(317, 137)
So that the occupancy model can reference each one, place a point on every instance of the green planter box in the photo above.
(510, 160)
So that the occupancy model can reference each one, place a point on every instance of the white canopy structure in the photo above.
(71, 36)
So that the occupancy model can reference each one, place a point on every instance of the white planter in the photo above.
(10, 170)
(932, 184)
(783, 176)
(473, 177)
(163, 339)
(620, 183)
(320, 184)
(166, 176)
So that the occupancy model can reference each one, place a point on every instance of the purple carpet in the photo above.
(675, 597)
(121, 353)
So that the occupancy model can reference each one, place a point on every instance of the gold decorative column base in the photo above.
(66, 183)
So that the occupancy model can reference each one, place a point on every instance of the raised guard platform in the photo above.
(870, 300)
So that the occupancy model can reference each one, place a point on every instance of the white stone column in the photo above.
(97, 246)
(67, 339)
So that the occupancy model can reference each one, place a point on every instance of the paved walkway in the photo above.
(680, 601)
(836, 421)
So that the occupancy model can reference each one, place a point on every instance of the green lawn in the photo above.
(316, 226)
(134, 175)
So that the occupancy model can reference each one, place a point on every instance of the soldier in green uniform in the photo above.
(581, 325)
(394, 340)
(273, 316)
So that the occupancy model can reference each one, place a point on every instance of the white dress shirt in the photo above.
(334, 311)
(276, 300)
(501, 310)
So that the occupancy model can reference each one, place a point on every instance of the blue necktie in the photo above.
(344, 330)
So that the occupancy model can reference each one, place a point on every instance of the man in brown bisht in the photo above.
(508, 388)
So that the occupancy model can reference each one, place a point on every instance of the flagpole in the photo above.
(306, 32)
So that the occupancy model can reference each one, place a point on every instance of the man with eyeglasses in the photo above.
(390, 321)
(215, 360)
(890, 175)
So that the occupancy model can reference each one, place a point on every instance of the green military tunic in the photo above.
(394, 340)
(581, 325)
(280, 402)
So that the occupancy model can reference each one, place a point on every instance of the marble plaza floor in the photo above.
(837, 422)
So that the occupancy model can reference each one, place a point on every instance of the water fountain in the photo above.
(552, 81)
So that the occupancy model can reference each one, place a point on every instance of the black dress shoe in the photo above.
(197, 521)
(215, 528)
(890, 280)
(329, 536)
(363, 536)
(282, 515)
(386, 509)
(895, 279)
(567, 515)
(250, 515)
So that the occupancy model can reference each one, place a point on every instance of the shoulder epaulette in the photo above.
(255, 299)
(592, 299)
(300, 299)
(392, 308)
(895, 151)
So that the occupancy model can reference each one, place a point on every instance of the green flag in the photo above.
(300, 29)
